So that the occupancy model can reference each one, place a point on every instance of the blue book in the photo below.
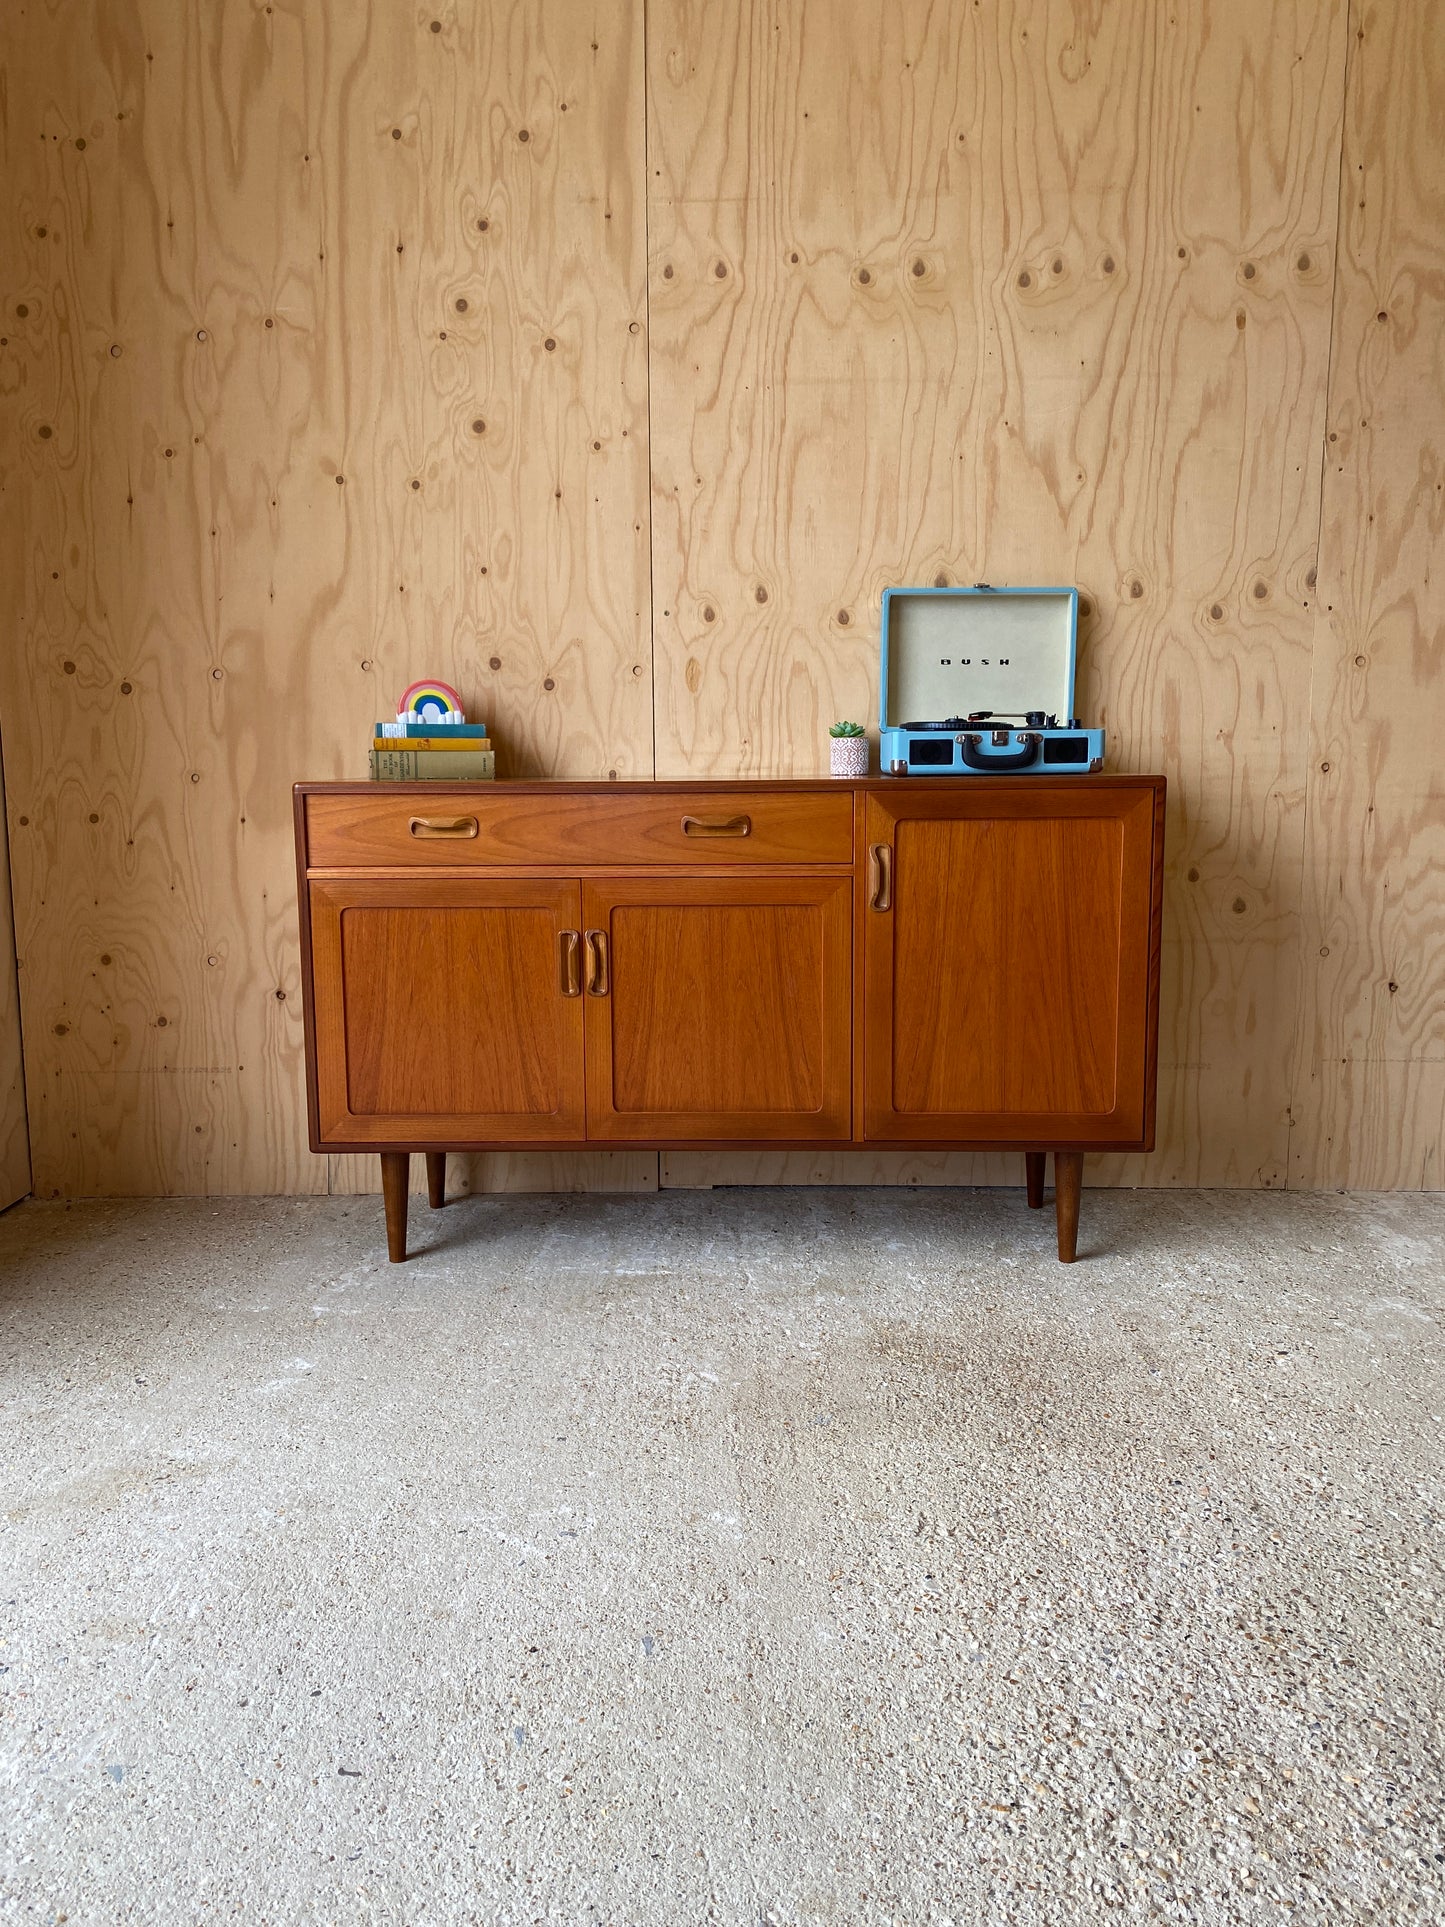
(460, 731)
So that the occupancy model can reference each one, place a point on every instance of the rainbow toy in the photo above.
(430, 702)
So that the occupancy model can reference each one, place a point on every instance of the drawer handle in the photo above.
(569, 963)
(597, 979)
(443, 826)
(880, 864)
(732, 826)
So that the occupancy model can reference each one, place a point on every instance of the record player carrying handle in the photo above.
(880, 866)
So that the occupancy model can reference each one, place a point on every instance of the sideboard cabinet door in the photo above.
(1010, 970)
(718, 1007)
(447, 1010)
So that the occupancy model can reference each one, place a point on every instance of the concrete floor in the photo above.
(752, 1557)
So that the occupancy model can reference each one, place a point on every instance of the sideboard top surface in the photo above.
(751, 785)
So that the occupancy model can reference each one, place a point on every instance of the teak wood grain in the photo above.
(992, 947)
(439, 1016)
(727, 1012)
(1009, 982)
(449, 825)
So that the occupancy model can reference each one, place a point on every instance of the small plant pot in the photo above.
(847, 755)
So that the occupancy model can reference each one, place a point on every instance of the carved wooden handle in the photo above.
(569, 963)
(443, 826)
(598, 983)
(733, 826)
(880, 865)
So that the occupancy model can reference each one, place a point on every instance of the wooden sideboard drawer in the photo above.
(426, 825)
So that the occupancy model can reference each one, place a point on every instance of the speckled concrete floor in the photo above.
(753, 1557)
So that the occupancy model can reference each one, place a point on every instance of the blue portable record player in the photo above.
(981, 682)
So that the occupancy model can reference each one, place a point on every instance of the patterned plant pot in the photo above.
(847, 755)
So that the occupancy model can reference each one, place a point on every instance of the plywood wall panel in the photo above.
(326, 343)
(324, 368)
(1369, 1102)
(14, 1130)
(1019, 294)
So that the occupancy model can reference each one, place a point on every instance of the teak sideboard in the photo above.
(893, 963)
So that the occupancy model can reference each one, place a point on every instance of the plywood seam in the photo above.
(1302, 1015)
(12, 963)
(647, 363)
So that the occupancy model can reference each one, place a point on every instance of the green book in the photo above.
(432, 765)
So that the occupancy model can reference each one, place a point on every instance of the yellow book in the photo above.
(431, 742)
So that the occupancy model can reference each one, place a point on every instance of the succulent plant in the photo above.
(846, 729)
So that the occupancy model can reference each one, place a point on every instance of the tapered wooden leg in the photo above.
(1034, 1169)
(395, 1178)
(436, 1179)
(1068, 1177)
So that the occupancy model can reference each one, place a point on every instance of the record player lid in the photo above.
(952, 652)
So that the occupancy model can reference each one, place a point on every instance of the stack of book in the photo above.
(431, 741)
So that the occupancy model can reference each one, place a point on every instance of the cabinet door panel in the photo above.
(440, 1012)
(727, 1008)
(1007, 988)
